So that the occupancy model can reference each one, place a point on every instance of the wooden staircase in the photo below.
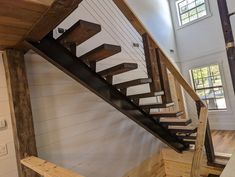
(171, 127)
(166, 125)
(83, 68)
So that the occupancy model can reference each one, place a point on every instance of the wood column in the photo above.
(21, 113)
(228, 36)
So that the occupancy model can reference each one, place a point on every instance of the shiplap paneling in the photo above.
(78, 130)
(8, 166)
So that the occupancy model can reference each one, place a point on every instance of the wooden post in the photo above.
(228, 36)
(164, 80)
(198, 154)
(21, 113)
(152, 64)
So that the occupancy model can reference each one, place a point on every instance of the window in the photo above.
(190, 10)
(208, 85)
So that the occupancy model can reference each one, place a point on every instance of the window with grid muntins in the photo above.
(190, 10)
(208, 85)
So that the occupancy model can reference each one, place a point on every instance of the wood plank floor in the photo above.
(224, 141)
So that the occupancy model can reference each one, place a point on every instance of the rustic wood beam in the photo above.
(166, 98)
(152, 64)
(57, 12)
(21, 113)
(228, 36)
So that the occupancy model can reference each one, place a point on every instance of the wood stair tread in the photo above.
(100, 53)
(79, 32)
(118, 69)
(175, 121)
(156, 105)
(167, 114)
(133, 83)
(145, 95)
(190, 137)
(183, 129)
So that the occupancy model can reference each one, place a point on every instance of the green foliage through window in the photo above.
(208, 85)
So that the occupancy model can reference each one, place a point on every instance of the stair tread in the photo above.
(191, 137)
(133, 83)
(118, 69)
(79, 32)
(183, 129)
(156, 105)
(100, 53)
(189, 127)
(167, 114)
(175, 121)
(146, 95)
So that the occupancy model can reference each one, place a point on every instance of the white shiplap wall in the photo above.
(8, 166)
(75, 128)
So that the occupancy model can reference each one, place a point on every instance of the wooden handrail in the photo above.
(204, 135)
(137, 24)
(47, 169)
(201, 133)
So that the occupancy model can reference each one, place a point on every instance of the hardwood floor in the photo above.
(224, 141)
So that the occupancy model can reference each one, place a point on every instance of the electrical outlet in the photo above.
(3, 150)
(3, 124)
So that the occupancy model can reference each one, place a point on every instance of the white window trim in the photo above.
(220, 64)
(208, 11)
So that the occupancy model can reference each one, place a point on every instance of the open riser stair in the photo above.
(163, 124)
(160, 118)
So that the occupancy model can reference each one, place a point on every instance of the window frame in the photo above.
(223, 86)
(180, 25)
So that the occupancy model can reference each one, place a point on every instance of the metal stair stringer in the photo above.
(63, 59)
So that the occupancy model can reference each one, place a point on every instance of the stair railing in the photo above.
(204, 134)
(47, 169)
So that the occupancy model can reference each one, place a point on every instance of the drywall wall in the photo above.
(156, 16)
(8, 166)
(202, 43)
(75, 128)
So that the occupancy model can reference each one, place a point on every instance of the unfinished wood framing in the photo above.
(47, 169)
(168, 163)
(21, 113)
(198, 154)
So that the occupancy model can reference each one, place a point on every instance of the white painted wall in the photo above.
(8, 166)
(202, 43)
(156, 16)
